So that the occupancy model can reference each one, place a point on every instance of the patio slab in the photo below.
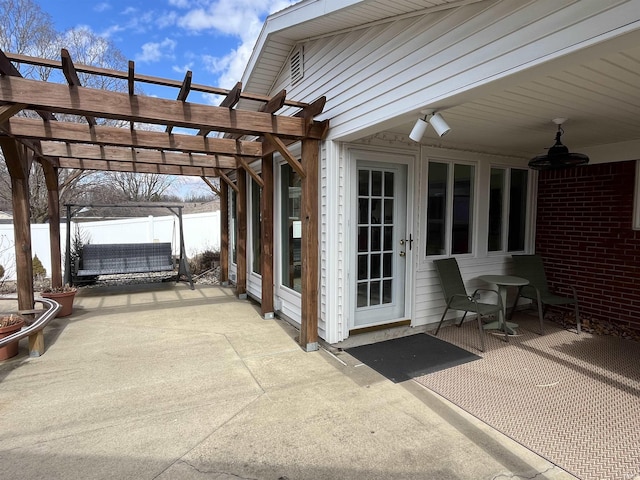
(161, 382)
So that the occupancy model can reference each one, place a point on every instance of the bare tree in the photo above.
(26, 29)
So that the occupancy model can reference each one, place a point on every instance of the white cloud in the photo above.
(156, 51)
(242, 19)
(102, 7)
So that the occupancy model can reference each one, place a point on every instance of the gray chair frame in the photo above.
(455, 294)
(531, 267)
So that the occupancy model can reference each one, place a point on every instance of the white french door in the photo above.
(381, 243)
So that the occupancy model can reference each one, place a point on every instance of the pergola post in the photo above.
(19, 166)
(224, 233)
(241, 241)
(310, 238)
(53, 195)
(266, 241)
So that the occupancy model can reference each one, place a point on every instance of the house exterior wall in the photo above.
(586, 238)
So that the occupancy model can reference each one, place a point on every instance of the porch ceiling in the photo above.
(597, 90)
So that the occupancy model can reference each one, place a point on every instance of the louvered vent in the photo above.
(297, 66)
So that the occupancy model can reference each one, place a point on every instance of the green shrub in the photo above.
(38, 269)
(1, 271)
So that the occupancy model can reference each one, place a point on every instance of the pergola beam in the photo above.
(210, 184)
(159, 157)
(101, 135)
(8, 111)
(286, 154)
(133, 77)
(71, 75)
(85, 101)
(134, 167)
(246, 167)
(183, 93)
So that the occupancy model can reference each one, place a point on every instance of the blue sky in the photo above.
(212, 38)
(165, 38)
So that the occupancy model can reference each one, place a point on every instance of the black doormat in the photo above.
(403, 358)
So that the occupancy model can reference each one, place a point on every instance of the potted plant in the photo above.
(64, 296)
(9, 324)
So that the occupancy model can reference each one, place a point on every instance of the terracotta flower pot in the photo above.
(63, 298)
(10, 350)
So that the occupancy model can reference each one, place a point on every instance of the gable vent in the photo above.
(297, 65)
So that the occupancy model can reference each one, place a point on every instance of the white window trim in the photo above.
(506, 210)
(449, 208)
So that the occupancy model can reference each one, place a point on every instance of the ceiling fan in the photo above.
(558, 156)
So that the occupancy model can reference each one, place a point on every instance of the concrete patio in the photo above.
(161, 382)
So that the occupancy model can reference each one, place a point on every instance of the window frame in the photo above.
(636, 199)
(473, 221)
(506, 210)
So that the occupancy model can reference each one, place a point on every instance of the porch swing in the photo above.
(125, 258)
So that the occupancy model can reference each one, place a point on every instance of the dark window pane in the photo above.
(376, 183)
(462, 208)
(363, 183)
(517, 209)
(496, 195)
(388, 238)
(375, 266)
(256, 222)
(386, 291)
(363, 267)
(388, 184)
(291, 247)
(234, 227)
(374, 293)
(388, 211)
(376, 239)
(436, 208)
(363, 211)
(363, 300)
(387, 263)
(363, 239)
(376, 211)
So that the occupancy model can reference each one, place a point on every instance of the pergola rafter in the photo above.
(242, 137)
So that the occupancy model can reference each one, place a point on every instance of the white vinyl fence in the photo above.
(201, 233)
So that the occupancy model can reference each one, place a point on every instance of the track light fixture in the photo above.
(437, 122)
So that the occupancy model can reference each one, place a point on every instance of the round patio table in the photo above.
(503, 282)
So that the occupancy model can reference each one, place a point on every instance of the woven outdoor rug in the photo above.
(573, 399)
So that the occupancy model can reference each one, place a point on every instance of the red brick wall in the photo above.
(584, 234)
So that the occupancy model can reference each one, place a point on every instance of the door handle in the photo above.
(403, 254)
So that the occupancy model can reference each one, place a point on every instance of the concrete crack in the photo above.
(517, 476)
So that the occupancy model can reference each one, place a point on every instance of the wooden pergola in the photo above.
(243, 138)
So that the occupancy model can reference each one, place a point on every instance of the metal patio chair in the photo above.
(531, 267)
(456, 296)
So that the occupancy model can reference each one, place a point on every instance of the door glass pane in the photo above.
(375, 237)
(375, 293)
(517, 209)
(388, 184)
(363, 267)
(363, 183)
(462, 208)
(363, 297)
(256, 222)
(496, 196)
(376, 260)
(436, 208)
(376, 183)
(386, 291)
(291, 247)
(363, 210)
